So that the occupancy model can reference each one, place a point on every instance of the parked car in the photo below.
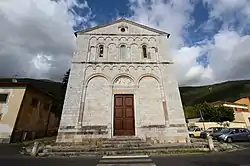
(223, 131)
(210, 131)
(194, 131)
(236, 134)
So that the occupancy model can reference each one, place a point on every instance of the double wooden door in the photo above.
(124, 122)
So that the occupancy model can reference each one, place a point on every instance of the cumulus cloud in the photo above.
(227, 51)
(37, 36)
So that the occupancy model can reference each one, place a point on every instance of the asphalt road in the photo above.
(9, 155)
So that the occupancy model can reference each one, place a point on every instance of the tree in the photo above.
(190, 112)
(215, 114)
(65, 79)
(227, 114)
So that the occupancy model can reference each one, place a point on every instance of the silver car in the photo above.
(235, 134)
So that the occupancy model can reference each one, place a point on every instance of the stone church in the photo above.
(122, 83)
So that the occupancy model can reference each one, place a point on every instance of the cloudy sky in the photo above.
(209, 38)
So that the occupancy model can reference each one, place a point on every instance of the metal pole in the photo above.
(202, 119)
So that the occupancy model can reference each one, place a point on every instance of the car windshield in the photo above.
(224, 131)
(192, 128)
(209, 129)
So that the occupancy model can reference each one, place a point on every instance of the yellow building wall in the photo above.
(10, 110)
(206, 125)
(33, 122)
(244, 101)
(245, 117)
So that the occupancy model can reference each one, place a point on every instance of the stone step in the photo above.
(124, 138)
(103, 145)
(93, 149)
(143, 144)
(126, 152)
(123, 141)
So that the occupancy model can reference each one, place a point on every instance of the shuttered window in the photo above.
(34, 102)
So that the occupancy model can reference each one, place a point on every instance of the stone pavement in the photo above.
(235, 158)
(138, 160)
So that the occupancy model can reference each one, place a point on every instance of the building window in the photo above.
(123, 29)
(101, 50)
(3, 97)
(155, 49)
(144, 51)
(46, 106)
(34, 102)
(123, 50)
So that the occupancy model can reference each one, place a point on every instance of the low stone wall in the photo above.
(72, 134)
(175, 133)
(163, 135)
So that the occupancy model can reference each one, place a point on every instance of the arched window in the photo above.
(101, 50)
(155, 49)
(144, 51)
(123, 51)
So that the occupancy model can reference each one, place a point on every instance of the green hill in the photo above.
(228, 91)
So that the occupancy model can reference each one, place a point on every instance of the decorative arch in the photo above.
(112, 44)
(143, 44)
(97, 90)
(153, 114)
(106, 67)
(100, 39)
(123, 75)
(134, 44)
(96, 75)
(123, 39)
(97, 66)
(148, 67)
(149, 75)
(115, 39)
(92, 40)
(152, 39)
(108, 39)
(144, 39)
(130, 39)
(120, 44)
(115, 67)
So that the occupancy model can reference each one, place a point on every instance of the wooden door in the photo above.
(124, 122)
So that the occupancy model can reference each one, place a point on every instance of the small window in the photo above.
(123, 50)
(34, 102)
(155, 49)
(101, 50)
(144, 51)
(197, 129)
(3, 97)
(46, 106)
(123, 29)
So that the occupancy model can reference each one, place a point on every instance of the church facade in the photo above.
(122, 83)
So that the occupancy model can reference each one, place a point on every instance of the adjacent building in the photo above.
(122, 83)
(241, 110)
(25, 112)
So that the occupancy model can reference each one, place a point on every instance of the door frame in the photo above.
(113, 113)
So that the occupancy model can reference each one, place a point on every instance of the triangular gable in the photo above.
(126, 21)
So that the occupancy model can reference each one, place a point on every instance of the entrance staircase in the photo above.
(118, 146)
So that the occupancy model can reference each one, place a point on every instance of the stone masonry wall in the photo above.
(94, 80)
